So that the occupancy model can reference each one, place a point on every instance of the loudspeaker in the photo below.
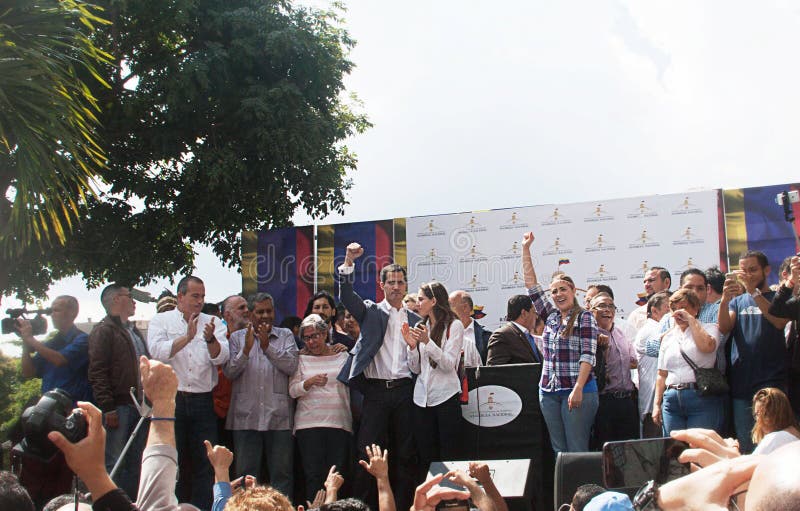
(574, 469)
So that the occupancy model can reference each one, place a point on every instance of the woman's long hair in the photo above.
(775, 413)
(576, 309)
(442, 314)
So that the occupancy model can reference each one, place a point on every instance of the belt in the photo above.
(682, 386)
(619, 394)
(389, 384)
(190, 394)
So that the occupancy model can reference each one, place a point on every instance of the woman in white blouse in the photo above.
(434, 352)
(678, 404)
(322, 420)
(775, 424)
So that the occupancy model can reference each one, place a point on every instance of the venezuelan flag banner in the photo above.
(754, 221)
(280, 262)
(379, 248)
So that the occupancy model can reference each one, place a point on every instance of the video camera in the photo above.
(53, 412)
(38, 323)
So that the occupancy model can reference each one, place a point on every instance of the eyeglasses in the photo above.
(307, 338)
(605, 307)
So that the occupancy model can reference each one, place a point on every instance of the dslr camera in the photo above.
(53, 412)
(38, 323)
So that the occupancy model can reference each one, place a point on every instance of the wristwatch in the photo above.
(209, 341)
(646, 499)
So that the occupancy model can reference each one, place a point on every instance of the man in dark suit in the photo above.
(462, 305)
(513, 343)
(378, 367)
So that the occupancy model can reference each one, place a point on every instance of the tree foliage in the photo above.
(221, 116)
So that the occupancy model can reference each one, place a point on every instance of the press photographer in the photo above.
(61, 362)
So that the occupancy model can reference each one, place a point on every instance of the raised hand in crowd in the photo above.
(794, 266)
(429, 493)
(710, 488)
(378, 467)
(480, 471)
(249, 340)
(353, 252)
(409, 335)
(731, 288)
(339, 347)
(221, 459)
(333, 483)
(319, 499)
(706, 446)
(243, 482)
(191, 326)
(479, 497)
(528, 271)
(264, 330)
(86, 458)
(208, 331)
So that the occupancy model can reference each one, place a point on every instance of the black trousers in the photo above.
(320, 448)
(386, 420)
(617, 418)
(436, 432)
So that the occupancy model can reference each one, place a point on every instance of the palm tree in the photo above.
(50, 155)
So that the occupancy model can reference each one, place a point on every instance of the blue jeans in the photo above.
(127, 476)
(569, 429)
(195, 421)
(743, 423)
(686, 408)
(276, 447)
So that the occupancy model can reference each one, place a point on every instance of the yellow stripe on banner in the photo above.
(735, 227)
(249, 263)
(399, 245)
(325, 267)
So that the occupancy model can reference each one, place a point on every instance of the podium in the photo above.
(503, 421)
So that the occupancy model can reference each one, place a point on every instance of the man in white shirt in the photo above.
(656, 279)
(476, 339)
(193, 343)
(378, 367)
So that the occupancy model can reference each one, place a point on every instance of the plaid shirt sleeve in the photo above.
(542, 305)
(588, 336)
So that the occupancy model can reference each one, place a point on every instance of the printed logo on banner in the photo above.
(644, 241)
(641, 271)
(557, 248)
(431, 230)
(515, 282)
(515, 222)
(557, 218)
(491, 406)
(600, 244)
(472, 226)
(512, 252)
(599, 214)
(643, 211)
(473, 255)
(689, 264)
(475, 285)
(601, 275)
(686, 208)
(688, 237)
(432, 258)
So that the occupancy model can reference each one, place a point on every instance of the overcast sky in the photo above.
(483, 105)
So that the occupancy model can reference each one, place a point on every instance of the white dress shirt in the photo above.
(193, 364)
(391, 361)
(471, 356)
(435, 385)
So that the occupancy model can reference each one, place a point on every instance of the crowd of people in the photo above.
(344, 385)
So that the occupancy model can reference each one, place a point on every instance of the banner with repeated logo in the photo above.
(610, 242)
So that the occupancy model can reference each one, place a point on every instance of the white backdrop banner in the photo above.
(611, 242)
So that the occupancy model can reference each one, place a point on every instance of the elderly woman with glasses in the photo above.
(677, 403)
(322, 420)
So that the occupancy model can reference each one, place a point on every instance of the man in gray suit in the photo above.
(378, 367)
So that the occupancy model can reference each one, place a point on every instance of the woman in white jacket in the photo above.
(434, 353)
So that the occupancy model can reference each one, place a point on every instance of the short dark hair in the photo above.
(211, 309)
(584, 494)
(605, 288)
(350, 504)
(663, 273)
(391, 268)
(290, 322)
(63, 500)
(715, 278)
(183, 284)
(517, 304)
(12, 494)
(657, 300)
(785, 266)
(258, 298)
(316, 296)
(108, 294)
(693, 271)
(761, 257)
